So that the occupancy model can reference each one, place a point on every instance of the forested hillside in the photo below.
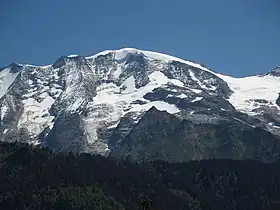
(36, 178)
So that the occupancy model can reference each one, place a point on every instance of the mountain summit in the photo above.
(140, 104)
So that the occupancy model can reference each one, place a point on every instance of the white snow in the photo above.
(118, 72)
(109, 114)
(6, 79)
(158, 78)
(253, 87)
(113, 126)
(159, 105)
(192, 112)
(210, 82)
(197, 80)
(110, 103)
(32, 117)
(4, 110)
(72, 56)
(129, 85)
(5, 131)
(55, 90)
(176, 82)
(182, 96)
(168, 58)
(75, 105)
(35, 142)
(110, 92)
(117, 99)
(102, 115)
(37, 66)
(122, 53)
(273, 125)
(197, 99)
(252, 126)
(195, 90)
(30, 82)
(98, 54)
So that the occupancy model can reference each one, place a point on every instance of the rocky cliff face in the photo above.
(162, 136)
(138, 104)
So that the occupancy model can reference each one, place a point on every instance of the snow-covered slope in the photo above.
(7, 77)
(79, 103)
(248, 91)
(123, 53)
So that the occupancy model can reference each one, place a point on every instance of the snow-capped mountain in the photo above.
(94, 104)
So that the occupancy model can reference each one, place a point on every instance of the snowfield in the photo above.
(105, 91)
(254, 87)
(6, 80)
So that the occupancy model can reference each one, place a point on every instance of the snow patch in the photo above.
(182, 96)
(176, 82)
(274, 125)
(113, 126)
(99, 54)
(74, 106)
(101, 116)
(158, 78)
(128, 85)
(110, 97)
(121, 53)
(35, 117)
(168, 58)
(111, 103)
(253, 87)
(118, 72)
(195, 90)
(197, 99)
(239, 120)
(192, 112)
(198, 81)
(37, 66)
(4, 110)
(6, 79)
(159, 105)
(72, 56)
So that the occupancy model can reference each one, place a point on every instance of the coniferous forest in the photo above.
(36, 178)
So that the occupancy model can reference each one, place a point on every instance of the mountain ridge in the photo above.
(82, 103)
(148, 52)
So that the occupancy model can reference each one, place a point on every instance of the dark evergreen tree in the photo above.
(35, 178)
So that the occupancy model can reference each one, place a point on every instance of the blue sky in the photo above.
(239, 37)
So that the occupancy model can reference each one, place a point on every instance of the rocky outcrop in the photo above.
(139, 105)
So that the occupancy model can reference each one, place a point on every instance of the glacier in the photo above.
(100, 91)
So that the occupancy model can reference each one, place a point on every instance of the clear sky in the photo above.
(236, 37)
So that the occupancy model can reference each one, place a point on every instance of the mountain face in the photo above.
(138, 105)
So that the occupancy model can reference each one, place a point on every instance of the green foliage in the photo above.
(35, 178)
(62, 198)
